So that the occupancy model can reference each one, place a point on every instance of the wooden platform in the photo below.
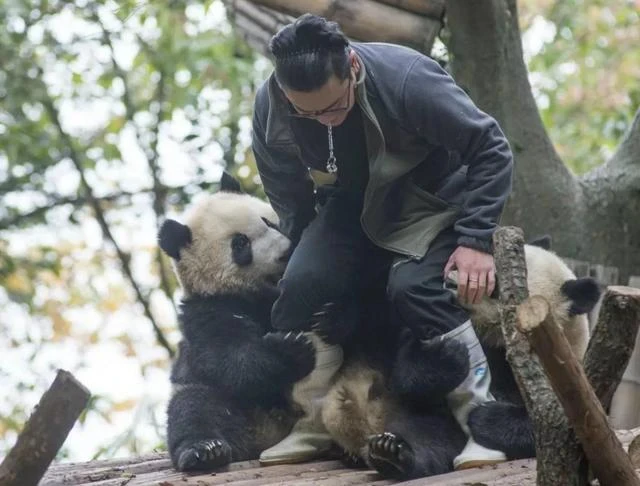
(156, 469)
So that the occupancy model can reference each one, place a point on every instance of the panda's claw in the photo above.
(204, 455)
(390, 455)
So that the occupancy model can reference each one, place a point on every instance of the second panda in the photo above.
(401, 451)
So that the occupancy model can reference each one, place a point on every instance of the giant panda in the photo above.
(233, 376)
(373, 400)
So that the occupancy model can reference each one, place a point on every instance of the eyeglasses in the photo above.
(316, 114)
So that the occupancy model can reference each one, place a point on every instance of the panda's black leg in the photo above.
(391, 456)
(204, 432)
(503, 426)
(203, 455)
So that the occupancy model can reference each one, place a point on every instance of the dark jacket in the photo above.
(435, 159)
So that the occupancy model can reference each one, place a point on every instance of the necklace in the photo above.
(332, 167)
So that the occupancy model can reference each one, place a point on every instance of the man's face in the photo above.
(329, 104)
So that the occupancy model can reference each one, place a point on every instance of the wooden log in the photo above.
(559, 456)
(612, 341)
(45, 432)
(606, 456)
(428, 8)
(367, 20)
(634, 452)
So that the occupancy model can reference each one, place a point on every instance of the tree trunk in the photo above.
(594, 217)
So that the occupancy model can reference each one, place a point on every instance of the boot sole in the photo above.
(478, 463)
(291, 460)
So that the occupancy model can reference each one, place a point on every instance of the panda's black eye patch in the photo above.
(241, 249)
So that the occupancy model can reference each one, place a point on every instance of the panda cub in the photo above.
(233, 376)
(384, 419)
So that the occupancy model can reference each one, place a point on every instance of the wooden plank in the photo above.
(156, 470)
(428, 8)
(79, 475)
(481, 474)
(252, 473)
(375, 21)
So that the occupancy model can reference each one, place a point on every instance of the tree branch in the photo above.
(56, 200)
(623, 169)
(159, 190)
(75, 158)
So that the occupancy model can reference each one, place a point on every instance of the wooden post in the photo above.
(612, 342)
(607, 458)
(45, 432)
(558, 453)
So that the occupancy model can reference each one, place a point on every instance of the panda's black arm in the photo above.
(255, 367)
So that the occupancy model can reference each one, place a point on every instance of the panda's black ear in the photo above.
(228, 183)
(172, 237)
(543, 241)
(583, 293)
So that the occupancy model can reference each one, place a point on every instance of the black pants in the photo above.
(334, 261)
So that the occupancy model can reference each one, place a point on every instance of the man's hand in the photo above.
(476, 273)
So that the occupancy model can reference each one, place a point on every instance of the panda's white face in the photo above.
(234, 246)
(549, 277)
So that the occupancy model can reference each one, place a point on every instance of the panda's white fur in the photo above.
(546, 275)
(206, 267)
(356, 407)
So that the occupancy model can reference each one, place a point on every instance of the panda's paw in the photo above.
(204, 455)
(294, 347)
(426, 370)
(450, 356)
(391, 456)
(330, 323)
(353, 461)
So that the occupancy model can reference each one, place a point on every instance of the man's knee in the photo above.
(302, 294)
(422, 302)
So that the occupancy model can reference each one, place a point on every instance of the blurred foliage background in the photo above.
(114, 115)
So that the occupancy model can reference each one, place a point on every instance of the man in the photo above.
(418, 177)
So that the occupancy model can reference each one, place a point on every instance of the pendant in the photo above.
(332, 167)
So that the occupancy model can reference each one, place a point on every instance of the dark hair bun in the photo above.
(308, 33)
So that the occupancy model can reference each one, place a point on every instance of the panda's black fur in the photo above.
(233, 376)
